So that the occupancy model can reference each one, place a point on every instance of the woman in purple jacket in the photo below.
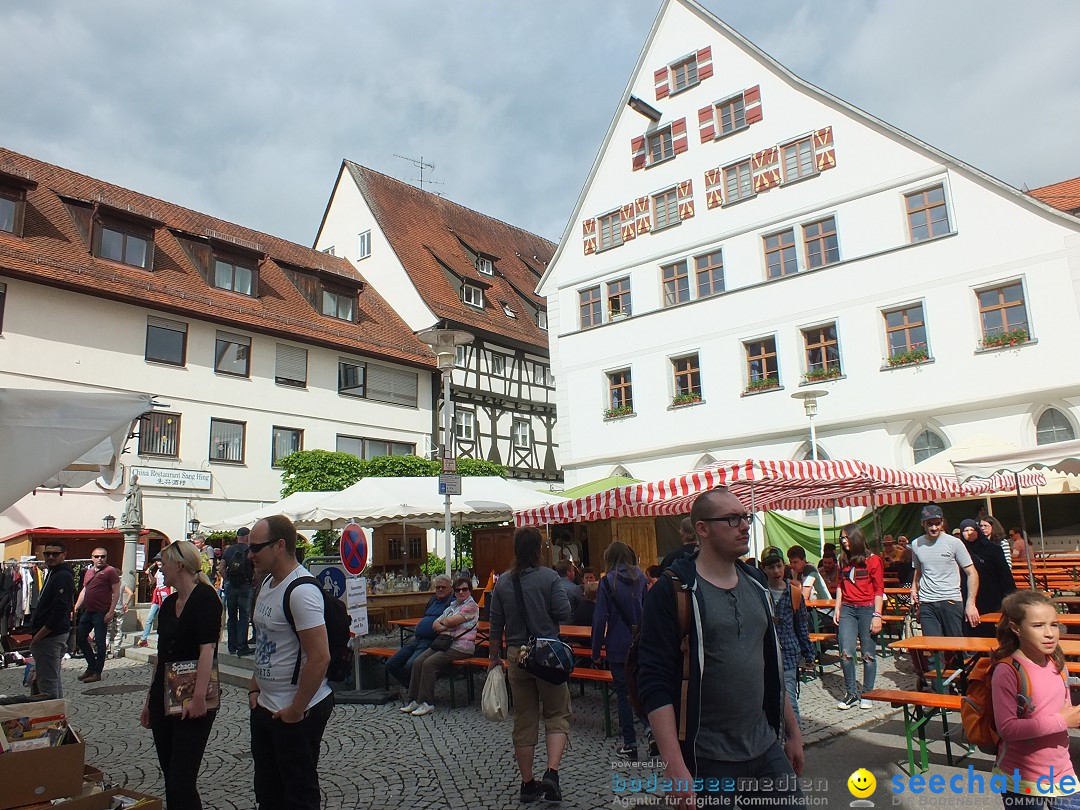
(618, 609)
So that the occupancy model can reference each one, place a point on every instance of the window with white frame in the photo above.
(928, 443)
(541, 318)
(285, 442)
(227, 440)
(665, 209)
(485, 265)
(522, 433)
(464, 425)
(363, 245)
(472, 295)
(460, 356)
(1053, 426)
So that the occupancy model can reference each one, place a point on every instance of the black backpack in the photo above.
(338, 632)
(237, 567)
(683, 611)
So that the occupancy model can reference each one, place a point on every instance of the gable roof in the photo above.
(431, 237)
(1064, 195)
(53, 251)
(739, 41)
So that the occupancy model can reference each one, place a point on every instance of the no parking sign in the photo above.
(354, 549)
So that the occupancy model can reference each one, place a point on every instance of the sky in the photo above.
(244, 109)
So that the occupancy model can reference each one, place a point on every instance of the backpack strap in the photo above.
(796, 596)
(618, 607)
(308, 580)
(682, 610)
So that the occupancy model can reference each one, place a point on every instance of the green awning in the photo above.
(592, 487)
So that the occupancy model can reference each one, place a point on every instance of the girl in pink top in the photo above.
(1035, 743)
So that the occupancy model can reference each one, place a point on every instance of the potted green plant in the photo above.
(617, 411)
(1012, 337)
(685, 399)
(763, 384)
(910, 357)
(819, 374)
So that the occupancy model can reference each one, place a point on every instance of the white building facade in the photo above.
(253, 346)
(744, 236)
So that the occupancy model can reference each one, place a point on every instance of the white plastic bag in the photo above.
(494, 702)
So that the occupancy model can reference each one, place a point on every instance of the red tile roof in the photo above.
(52, 251)
(1064, 195)
(429, 234)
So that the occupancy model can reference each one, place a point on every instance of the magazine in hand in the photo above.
(180, 686)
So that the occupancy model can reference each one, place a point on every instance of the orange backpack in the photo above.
(977, 705)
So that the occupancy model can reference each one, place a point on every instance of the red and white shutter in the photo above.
(714, 197)
(662, 78)
(679, 141)
(637, 149)
(684, 196)
(752, 104)
(626, 217)
(642, 220)
(824, 151)
(704, 63)
(706, 118)
(588, 235)
(766, 168)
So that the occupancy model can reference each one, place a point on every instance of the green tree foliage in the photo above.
(319, 471)
(479, 466)
(434, 565)
(400, 467)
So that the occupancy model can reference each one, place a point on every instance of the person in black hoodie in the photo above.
(51, 621)
(735, 721)
(995, 577)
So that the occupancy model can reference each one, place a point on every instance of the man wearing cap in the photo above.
(938, 558)
(237, 573)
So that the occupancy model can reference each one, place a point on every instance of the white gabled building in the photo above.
(441, 264)
(744, 235)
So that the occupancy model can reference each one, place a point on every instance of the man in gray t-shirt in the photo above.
(938, 558)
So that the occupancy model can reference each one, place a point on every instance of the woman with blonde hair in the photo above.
(189, 626)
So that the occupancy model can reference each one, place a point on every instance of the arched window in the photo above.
(927, 444)
(620, 472)
(705, 461)
(808, 452)
(1053, 426)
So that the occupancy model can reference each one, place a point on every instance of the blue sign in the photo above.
(332, 580)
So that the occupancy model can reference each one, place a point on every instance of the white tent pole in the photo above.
(1042, 534)
(753, 529)
(1023, 527)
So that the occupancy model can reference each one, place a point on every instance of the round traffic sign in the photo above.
(332, 581)
(354, 549)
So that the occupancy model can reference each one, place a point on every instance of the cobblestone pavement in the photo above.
(373, 756)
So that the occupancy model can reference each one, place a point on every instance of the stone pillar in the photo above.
(128, 574)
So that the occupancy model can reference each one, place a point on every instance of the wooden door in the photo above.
(640, 535)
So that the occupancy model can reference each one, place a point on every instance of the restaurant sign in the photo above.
(170, 478)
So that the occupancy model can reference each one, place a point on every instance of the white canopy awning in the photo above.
(986, 447)
(1062, 457)
(295, 507)
(45, 433)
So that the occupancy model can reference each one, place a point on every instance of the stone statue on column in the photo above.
(132, 504)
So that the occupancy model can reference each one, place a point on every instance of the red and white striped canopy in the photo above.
(763, 485)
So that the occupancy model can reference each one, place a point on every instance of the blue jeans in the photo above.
(855, 624)
(400, 663)
(95, 656)
(791, 684)
(238, 610)
(154, 608)
(622, 703)
(773, 765)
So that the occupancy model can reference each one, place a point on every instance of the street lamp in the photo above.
(444, 343)
(193, 527)
(108, 522)
(809, 401)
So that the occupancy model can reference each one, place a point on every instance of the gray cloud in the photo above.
(245, 110)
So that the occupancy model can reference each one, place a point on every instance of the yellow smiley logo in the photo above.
(861, 783)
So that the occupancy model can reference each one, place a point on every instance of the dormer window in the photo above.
(12, 208)
(541, 319)
(485, 265)
(339, 305)
(507, 309)
(472, 295)
(235, 274)
(123, 241)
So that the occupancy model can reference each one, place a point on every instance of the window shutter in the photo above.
(637, 150)
(391, 385)
(662, 80)
(163, 323)
(678, 136)
(704, 63)
(684, 194)
(713, 188)
(824, 153)
(291, 364)
(588, 235)
(643, 221)
(752, 102)
(629, 230)
(766, 167)
(706, 117)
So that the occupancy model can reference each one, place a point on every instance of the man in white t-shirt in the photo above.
(289, 710)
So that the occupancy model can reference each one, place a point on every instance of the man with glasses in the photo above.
(289, 696)
(400, 664)
(735, 722)
(97, 600)
(51, 621)
(938, 558)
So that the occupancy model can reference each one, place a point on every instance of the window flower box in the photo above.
(996, 340)
(763, 384)
(685, 399)
(819, 374)
(618, 412)
(908, 358)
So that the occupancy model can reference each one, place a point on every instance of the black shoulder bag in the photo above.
(548, 659)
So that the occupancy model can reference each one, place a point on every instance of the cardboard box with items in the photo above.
(42, 758)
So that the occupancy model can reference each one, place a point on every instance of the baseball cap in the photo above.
(243, 531)
(771, 555)
(931, 512)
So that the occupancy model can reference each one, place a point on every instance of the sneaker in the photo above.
(530, 791)
(409, 707)
(866, 704)
(625, 751)
(422, 709)
(847, 702)
(142, 642)
(550, 784)
(654, 749)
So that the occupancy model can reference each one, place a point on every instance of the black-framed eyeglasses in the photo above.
(53, 553)
(464, 589)
(731, 520)
(255, 548)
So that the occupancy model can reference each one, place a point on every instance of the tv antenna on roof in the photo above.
(421, 165)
